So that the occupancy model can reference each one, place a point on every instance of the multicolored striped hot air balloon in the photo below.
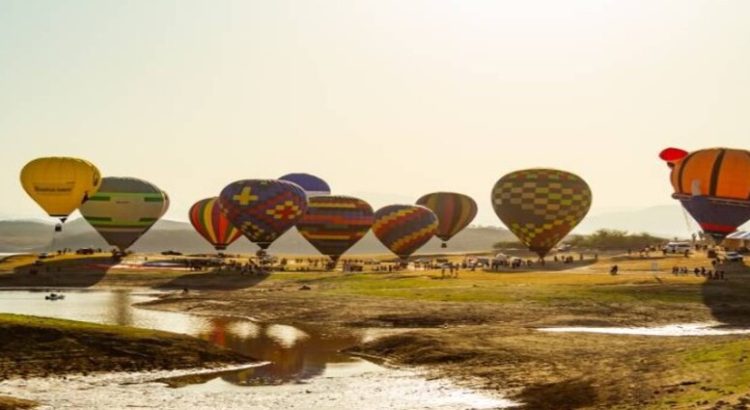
(541, 206)
(454, 212)
(333, 224)
(263, 209)
(211, 224)
(124, 209)
(312, 185)
(713, 185)
(404, 228)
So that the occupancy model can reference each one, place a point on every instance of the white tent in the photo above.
(737, 239)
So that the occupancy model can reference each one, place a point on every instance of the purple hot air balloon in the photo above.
(312, 185)
(263, 209)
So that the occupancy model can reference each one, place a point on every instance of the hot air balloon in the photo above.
(713, 185)
(672, 155)
(404, 228)
(541, 206)
(60, 184)
(124, 209)
(333, 224)
(165, 205)
(210, 223)
(312, 185)
(454, 211)
(263, 209)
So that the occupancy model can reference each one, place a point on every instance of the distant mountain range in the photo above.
(667, 221)
(35, 235)
(663, 220)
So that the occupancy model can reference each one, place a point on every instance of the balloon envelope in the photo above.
(713, 185)
(716, 218)
(672, 154)
(454, 211)
(404, 228)
(211, 224)
(263, 209)
(333, 224)
(165, 205)
(124, 209)
(312, 185)
(60, 184)
(541, 206)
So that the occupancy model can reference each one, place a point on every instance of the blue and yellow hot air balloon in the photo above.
(263, 209)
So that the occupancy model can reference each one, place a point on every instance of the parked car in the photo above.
(43, 255)
(565, 247)
(677, 247)
(733, 257)
(171, 253)
(480, 262)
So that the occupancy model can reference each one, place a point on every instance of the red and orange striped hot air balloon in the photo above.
(333, 224)
(210, 223)
(454, 212)
(404, 228)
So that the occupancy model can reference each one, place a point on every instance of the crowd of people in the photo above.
(702, 271)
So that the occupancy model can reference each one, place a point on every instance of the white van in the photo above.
(677, 247)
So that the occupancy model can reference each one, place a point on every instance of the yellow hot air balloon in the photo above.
(60, 184)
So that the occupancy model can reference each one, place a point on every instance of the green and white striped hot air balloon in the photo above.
(124, 209)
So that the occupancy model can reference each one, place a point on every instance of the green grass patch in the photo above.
(721, 370)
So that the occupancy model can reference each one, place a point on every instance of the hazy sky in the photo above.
(384, 99)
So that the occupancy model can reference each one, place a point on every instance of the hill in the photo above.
(35, 235)
(663, 220)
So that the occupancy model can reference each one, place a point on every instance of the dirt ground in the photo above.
(480, 329)
(41, 347)
(12, 403)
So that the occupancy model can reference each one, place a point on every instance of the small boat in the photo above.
(54, 296)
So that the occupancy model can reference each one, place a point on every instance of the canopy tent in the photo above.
(737, 239)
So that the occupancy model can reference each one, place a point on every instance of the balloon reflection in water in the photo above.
(295, 353)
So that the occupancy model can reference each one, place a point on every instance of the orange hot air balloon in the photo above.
(713, 185)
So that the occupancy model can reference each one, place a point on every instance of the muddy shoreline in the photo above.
(515, 359)
(41, 347)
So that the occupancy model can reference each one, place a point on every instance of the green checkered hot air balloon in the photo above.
(124, 209)
(541, 206)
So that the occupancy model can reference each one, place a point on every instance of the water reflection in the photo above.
(294, 354)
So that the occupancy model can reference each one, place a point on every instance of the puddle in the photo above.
(683, 329)
(304, 369)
